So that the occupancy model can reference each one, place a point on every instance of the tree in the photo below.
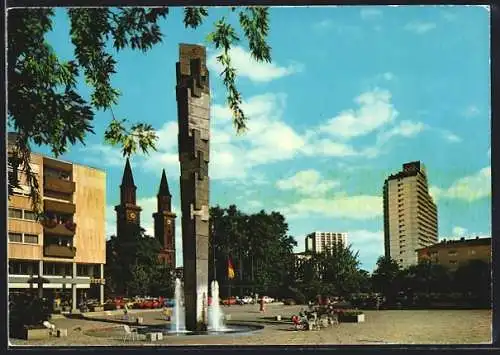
(474, 280)
(44, 106)
(258, 244)
(134, 268)
(385, 277)
(427, 277)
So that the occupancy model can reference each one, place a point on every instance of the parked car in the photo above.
(228, 301)
(246, 300)
(169, 302)
(267, 299)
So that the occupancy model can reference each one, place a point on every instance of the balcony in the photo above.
(60, 185)
(59, 251)
(61, 207)
(67, 230)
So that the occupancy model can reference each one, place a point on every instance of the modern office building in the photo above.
(410, 214)
(317, 242)
(455, 253)
(63, 252)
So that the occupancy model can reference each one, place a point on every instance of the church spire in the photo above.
(164, 198)
(127, 188)
(164, 190)
(128, 178)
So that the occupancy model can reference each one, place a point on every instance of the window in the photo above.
(15, 213)
(23, 267)
(31, 238)
(82, 270)
(453, 262)
(452, 253)
(49, 269)
(15, 237)
(64, 269)
(30, 215)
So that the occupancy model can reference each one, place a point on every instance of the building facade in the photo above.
(410, 214)
(128, 215)
(455, 253)
(318, 242)
(63, 252)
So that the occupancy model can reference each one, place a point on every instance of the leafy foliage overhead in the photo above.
(44, 106)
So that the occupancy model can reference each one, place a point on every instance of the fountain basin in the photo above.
(116, 332)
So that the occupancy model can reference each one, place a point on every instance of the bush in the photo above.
(27, 311)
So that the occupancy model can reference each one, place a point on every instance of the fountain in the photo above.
(215, 315)
(178, 320)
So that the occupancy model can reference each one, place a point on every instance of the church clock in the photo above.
(131, 216)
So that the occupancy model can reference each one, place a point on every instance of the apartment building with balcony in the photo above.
(318, 242)
(63, 252)
(410, 214)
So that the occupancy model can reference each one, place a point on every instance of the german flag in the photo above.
(230, 269)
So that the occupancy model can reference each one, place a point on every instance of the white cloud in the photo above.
(248, 67)
(370, 13)
(468, 188)
(268, 138)
(471, 111)
(329, 148)
(404, 129)
(459, 231)
(451, 137)
(102, 155)
(350, 207)
(375, 110)
(420, 27)
(307, 182)
(388, 76)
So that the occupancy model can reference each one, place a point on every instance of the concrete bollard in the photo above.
(151, 336)
(140, 320)
(159, 336)
(62, 333)
(278, 317)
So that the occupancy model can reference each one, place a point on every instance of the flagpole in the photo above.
(229, 280)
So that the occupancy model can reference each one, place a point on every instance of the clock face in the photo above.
(131, 216)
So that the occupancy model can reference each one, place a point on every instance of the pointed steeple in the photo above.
(127, 188)
(164, 190)
(164, 198)
(128, 178)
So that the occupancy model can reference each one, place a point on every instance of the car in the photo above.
(246, 300)
(228, 301)
(267, 299)
(169, 302)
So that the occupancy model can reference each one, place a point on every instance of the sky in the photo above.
(351, 94)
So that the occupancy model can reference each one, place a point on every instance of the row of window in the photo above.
(51, 268)
(23, 238)
(22, 214)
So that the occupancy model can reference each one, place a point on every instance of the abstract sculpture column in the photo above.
(193, 107)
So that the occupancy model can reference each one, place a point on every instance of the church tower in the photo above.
(127, 212)
(164, 221)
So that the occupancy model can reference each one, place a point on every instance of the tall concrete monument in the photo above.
(193, 107)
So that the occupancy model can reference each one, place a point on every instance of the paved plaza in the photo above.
(380, 327)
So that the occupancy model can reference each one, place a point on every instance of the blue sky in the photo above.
(352, 94)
